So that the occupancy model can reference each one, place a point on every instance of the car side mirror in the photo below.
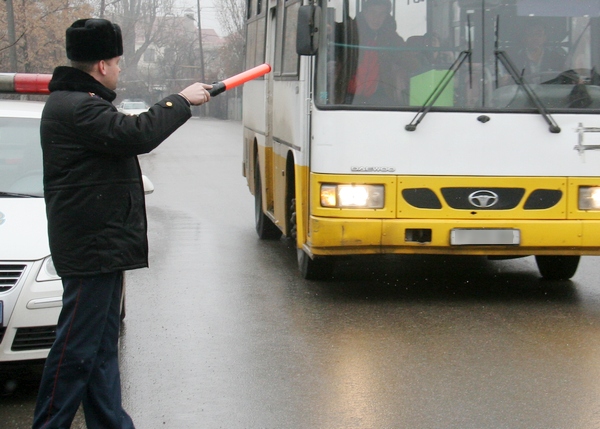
(307, 34)
(148, 185)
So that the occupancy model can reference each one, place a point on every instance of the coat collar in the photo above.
(72, 79)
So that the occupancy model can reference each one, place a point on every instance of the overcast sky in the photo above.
(208, 13)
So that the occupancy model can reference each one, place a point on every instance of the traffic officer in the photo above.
(96, 219)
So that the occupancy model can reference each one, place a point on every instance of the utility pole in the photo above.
(203, 108)
(12, 42)
(200, 43)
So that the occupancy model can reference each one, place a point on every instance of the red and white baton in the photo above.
(29, 83)
(238, 79)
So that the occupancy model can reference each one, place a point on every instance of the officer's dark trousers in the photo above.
(83, 364)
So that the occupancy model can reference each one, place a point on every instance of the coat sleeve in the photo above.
(103, 129)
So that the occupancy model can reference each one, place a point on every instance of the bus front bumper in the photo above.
(334, 236)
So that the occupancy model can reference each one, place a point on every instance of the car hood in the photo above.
(134, 111)
(23, 230)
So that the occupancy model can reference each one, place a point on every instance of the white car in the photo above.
(130, 107)
(30, 289)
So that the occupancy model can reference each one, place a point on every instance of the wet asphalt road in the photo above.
(222, 332)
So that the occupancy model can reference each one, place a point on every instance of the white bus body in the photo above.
(502, 163)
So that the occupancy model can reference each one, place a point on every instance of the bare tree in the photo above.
(40, 32)
(176, 53)
(104, 7)
(231, 15)
(141, 28)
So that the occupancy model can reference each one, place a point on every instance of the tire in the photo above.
(265, 228)
(319, 268)
(557, 267)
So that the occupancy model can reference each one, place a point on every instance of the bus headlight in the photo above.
(352, 196)
(589, 198)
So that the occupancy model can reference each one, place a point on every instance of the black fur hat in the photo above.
(94, 40)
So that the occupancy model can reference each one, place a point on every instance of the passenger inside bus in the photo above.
(428, 52)
(539, 61)
(382, 72)
(544, 61)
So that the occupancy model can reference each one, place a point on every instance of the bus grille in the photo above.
(37, 338)
(9, 276)
(466, 199)
(463, 198)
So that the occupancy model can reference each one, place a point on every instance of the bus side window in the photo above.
(255, 38)
(290, 58)
(278, 59)
(251, 28)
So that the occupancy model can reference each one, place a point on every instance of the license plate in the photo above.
(485, 237)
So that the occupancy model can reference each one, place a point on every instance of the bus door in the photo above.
(288, 114)
(269, 163)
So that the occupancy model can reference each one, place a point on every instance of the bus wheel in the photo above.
(265, 228)
(557, 267)
(319, 268)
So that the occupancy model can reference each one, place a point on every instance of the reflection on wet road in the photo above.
(222, 332)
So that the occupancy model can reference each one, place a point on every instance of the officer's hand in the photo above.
(196, 93)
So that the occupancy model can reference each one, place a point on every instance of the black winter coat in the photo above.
(92, 179)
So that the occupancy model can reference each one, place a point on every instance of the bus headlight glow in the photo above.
(352, 196)
(589, 198)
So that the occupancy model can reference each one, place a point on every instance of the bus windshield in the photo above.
(400, 54)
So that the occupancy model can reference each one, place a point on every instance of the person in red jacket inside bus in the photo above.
(381, 72)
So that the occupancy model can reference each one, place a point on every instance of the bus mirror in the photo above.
(307, 34)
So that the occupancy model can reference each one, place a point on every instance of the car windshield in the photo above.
(134, 105)
(394, 53)
(20, 157)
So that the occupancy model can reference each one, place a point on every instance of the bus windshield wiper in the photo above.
(443, 83)
(518, 78)
(16, 195)
(503, 57)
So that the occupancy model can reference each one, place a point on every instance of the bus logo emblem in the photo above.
(373, 169)
(483, 199)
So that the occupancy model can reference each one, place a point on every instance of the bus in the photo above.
(449, 127)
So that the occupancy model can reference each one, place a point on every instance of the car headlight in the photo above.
(47, 272)
(352, 196)
(589, 198)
